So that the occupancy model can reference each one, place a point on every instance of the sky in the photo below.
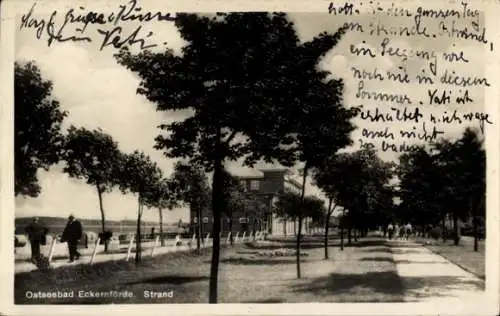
(99, 93)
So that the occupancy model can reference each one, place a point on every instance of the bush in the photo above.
(435, 233)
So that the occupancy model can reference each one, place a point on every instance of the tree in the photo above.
(359, 182)
(463, 170)
(289, 205)
(234, 198)
(140, 176)
(37, 123)
(94, 156)
(420, 188)
(322, 124)
(447, 179)
(191, 185)
(315, 209)
(236, 74)
(162, 196)
(342, 223)
(327, 182)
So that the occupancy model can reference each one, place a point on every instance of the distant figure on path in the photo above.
(72, 234)
(408, 230)
(402, 232)
(390, 230)
(37, 236)
(396, 231)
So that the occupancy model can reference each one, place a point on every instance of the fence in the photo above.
(118, 251)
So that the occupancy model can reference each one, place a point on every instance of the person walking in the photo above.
(72, 234)
(37, 236)
(408, 230)
(396, 231)
(390, 230)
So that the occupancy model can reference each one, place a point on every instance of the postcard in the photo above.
(264, 157)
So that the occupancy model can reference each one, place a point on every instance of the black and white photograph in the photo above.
(215, 153)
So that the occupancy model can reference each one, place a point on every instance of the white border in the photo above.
(487, 307)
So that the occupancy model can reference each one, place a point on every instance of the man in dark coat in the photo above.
(36, 235)
(72, 234)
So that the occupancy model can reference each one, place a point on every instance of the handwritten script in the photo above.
(73, 25)
(416, 73)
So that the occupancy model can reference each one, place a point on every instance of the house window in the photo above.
(254, 185)
(205, 220)
(243, 220)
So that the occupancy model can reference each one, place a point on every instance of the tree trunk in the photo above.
(231, 230)
(284, 226)
(443, 228)
(162, 240)
(456, 227)
(103, 219)
(349, 236)
(254, 229)
(295, 226)
(138, 238)
(474, 225)
(326, 241)
(341, 238)
(199, 231)
(341, 224)
(301, 209)
(327, 222)
(217, 204)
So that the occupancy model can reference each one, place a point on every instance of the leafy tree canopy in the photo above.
(289, 204)
(140, 175)
(190, 183)
(37, 122)
(94, 156)
(359, 182)
(163, 195)
(449, 176)
(240, 69)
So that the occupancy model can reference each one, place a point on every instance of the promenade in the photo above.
(428, 277)
(371, 270)
(115, 252)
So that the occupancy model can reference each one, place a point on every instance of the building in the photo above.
(261, 192)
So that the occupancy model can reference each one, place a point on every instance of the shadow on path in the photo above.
(259, 261)
(170, 279)
(377, 249)
(267, 300)
(368, 243)
(286, 246)
(377, 259)
(403, 250)
(418, 262)
(386, 282)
